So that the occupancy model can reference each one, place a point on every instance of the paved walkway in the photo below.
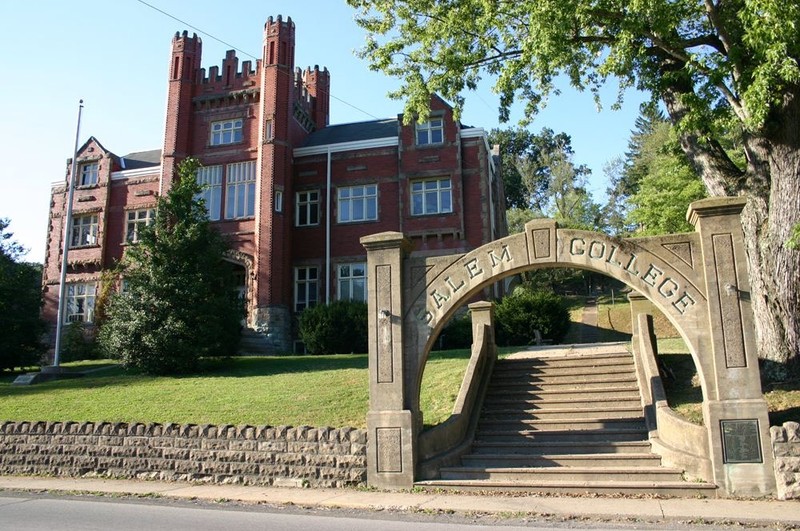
(768, 512)
(588, 330)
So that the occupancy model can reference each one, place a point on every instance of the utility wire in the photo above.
(173, 17)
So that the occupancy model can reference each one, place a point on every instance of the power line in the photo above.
(173, 17)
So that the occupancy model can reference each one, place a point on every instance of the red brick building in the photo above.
(292, 193)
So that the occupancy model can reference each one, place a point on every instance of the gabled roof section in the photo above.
(354, 132)
(140, 159)
(93, 140)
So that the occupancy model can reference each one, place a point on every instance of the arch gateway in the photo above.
(698, 280)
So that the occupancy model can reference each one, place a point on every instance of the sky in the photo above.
(114, 54)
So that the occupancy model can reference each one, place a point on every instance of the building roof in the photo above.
(353, 132)
(140, 159)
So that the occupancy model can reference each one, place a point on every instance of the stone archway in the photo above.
(698, 280)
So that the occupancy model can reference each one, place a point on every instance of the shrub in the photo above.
(457, 333)
(521, 313)
(336, 328)
(76, 345)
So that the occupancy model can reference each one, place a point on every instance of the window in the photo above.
(305, 288)
(226, 132)
(278, 201)
(358, 203)
(240, 195)
(352, 282)
(430, 132)
(431, 197)
(137, 220)
(210, 178)
(307, 208)
(84, 231)
(80, 303)
(88, 174)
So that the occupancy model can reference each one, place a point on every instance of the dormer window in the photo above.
(226, 132)
(430, 132)
(88, 174)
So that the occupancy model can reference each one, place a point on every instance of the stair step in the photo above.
(528, 447)
(566, 359)
(611, 488)
(600, 382)
(561, 460)
(524, 372)
(563, 412)
(561, 473)
(606, 394)
(561, 424)
(610, 435)
(565, 378)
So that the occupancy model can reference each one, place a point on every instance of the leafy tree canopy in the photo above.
(718, 66)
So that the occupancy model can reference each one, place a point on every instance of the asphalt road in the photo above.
(45, 512)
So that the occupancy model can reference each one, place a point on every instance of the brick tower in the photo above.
(273, 282)
(186, 57)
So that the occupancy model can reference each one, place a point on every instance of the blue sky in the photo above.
(115, 54)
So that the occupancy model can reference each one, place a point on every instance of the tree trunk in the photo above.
(771, 184)
(773, 208)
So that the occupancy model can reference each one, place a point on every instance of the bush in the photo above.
(457, 333)
(336, 328)
(76, 345)
(520, 314)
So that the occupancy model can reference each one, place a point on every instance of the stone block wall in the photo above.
(786, 449)
(247, 455)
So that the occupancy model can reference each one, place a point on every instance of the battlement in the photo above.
(230, 74)
(279, 23)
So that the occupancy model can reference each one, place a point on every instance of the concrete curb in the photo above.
(650, 509)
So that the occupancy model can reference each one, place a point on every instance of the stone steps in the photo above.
(565, 420)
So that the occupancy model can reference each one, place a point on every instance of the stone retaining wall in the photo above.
(248, 455)
(786, 448)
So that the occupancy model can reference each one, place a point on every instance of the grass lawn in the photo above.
(292, 390)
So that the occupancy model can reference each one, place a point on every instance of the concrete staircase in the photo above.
(565, 420)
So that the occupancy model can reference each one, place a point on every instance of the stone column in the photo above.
(736, 414)
(391, 440)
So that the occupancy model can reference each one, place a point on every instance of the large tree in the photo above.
(179, 303)
(716, 66)
(21, 327)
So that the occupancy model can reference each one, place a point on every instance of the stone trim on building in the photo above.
(245, 455)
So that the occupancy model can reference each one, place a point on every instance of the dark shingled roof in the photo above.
(141, 159)
(335, 134)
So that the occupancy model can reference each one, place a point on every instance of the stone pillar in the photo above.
(735, 413)
(482, 314)
(391, 426)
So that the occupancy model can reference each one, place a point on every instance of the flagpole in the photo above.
(62, 286)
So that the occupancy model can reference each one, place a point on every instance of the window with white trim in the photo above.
(279, 201)
(84, 231)
(137, 220)
(430, 132)
(352, 282)
(431, 196)
(240, 194)
(89, 174)
(307, 208)
(226, 132)
(80, 302)
(306, 285)
(358, 203)
(210, 178)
